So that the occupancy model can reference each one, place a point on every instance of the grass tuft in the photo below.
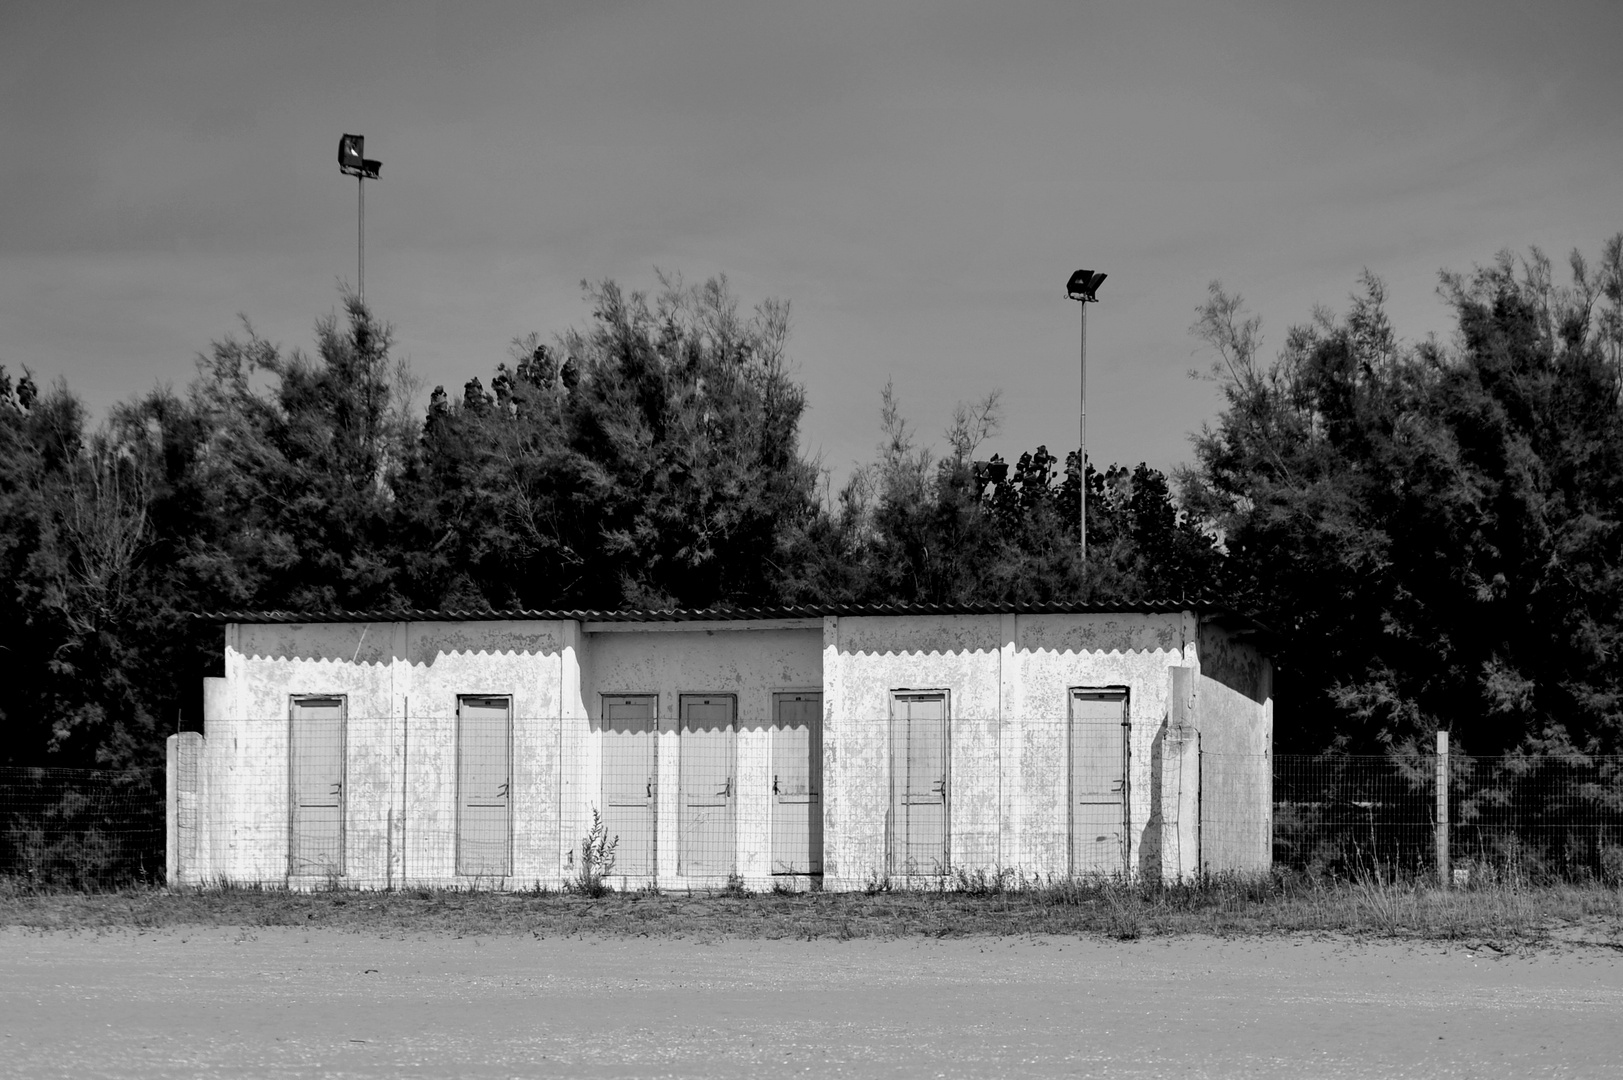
(1505, 912)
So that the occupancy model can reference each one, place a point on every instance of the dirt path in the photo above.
(327, 1003)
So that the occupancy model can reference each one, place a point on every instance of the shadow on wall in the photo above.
(1227, 659)
(380, 644)
(1149, 839)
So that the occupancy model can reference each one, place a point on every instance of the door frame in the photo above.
(293, 701)
(456, 856)
(945, 695)
(776, 696)
(1072, 693)
(732, 777)
(604, 698)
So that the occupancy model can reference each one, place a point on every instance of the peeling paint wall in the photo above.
(673, 659)
(1234, 714)
(400, 683)
(1007, 680)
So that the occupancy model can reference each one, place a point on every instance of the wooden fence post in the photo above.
(1444, 878)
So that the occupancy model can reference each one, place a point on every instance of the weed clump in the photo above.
(596, 859)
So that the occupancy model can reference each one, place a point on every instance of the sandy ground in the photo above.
(333, 1004)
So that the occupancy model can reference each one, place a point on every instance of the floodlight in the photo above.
(352, 154)
(1083, 286)
(352, 161)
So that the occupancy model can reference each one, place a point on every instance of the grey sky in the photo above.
(918, 179)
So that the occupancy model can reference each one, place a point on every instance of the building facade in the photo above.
(797, 748)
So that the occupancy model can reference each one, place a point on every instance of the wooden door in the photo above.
(797, 784)
(316, 787)
(630, 781)
(919, 794)
(1098, 782)
(484, 787)
(707, 797)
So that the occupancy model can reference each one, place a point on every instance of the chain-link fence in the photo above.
(1528, 818)
(754, 791)
(640, 797)
(82, 828)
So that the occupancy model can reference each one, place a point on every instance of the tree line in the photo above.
(1429, 530)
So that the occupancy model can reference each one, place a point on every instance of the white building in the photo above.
(797, 747)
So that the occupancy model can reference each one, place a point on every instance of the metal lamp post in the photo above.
(352, 161)
(1083, 287)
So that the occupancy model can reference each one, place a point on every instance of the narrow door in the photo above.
(708, 724)
(797, 784)
(484, 787)
(918, 770)
(316, 787)
(1098, 781)
(629, 776)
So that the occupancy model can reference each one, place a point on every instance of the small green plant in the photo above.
(735, 886)
(1611, 864)
(596, 858)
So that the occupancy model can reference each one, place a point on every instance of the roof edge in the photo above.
(1202, 607)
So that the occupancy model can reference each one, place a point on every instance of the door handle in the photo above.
(338, 787)
(940, 787)
(501, 792)
(650, 789)
(727, 792)
(775, 785)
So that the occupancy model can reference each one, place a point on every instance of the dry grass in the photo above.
(1504, 914)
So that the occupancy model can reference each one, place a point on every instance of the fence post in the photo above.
(1444, 877)
(171, 811)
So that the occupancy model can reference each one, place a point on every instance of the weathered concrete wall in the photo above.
(1189, 687)
(400, 682)
(682, 658)
(1008, 678)
(1234, 714)
(442, 662)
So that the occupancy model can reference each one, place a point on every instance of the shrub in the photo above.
(596, 858)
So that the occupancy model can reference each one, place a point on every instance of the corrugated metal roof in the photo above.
(714, 614)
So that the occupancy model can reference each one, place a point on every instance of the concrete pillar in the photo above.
(183, 754)
(835, 857)
(171, 815)
(1180, 779)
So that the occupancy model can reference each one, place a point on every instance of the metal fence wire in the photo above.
(82, 828)
(757, 787)
(1531, 818)
(694, 794)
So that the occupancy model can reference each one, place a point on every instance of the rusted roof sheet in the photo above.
(713, 614)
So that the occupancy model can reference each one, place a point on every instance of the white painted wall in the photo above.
(401, 682)
(1007, 678)
(677, 658)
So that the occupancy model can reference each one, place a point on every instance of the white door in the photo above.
(484, 787)
(797, 784)
(707, 797)
(316, 787)
(1098, 782)
(629, 780)
(918, 784)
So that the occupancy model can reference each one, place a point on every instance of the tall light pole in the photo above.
(1082, 287)
(352, 161)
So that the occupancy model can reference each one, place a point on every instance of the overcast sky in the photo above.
(917, 179)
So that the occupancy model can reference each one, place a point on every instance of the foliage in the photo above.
(1430, 528)
(596, 858)
(1499, 915)
(1433, 528)
(656, 466)
(962, 530)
